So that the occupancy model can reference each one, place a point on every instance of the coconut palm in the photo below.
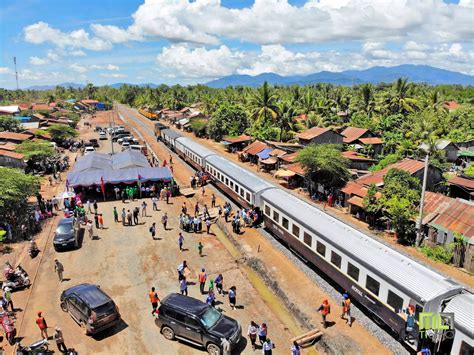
(263, 105)
(366, 99)
(400, 100)
(286, 117)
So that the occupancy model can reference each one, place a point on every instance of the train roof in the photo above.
(415, 279)
(196, 148)
(170, 133)
(463, 308)
(241, 175)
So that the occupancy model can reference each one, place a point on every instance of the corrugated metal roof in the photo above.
(312, 133)
(356, 200)
(289, 157)
(14, 136)
(14, 155)
(351, 155)
(353, 133)
(8, 146)
(240, 139)
(372, 140)
(196, 148)
(297, 168)
(463, 308)
(255, 148)
(417, 280)
(409, 165)
(466, 183)
(244, 177)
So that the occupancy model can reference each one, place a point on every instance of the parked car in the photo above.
(102, 135)
(194, 321)
(66, 234)
(88, 150)
(90, 307)
(125, 145)
(116, 137)
(95, 142)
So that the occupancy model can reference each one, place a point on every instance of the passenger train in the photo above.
(381, 279)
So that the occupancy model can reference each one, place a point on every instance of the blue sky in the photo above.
(168, 41)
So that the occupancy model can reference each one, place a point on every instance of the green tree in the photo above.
(263, 105)
(286, 118)
(90, 90)
(228, 119)
(325, 164)
(15, 188)
(61, 132)
(35, 149)
(8, 123)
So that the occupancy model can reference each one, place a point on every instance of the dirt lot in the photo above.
(126, 262)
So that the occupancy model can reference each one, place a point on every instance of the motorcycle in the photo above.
(34, 348)
(33, 250)
(8, 327)
(15, 279)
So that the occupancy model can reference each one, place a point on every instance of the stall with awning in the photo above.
(264, 154)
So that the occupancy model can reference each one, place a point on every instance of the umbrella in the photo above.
(68, 194)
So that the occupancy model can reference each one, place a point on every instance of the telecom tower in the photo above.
(16, 73)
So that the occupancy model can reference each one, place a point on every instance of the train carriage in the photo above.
(192, 152)
(237, 182)
(168, 136)
(383, 280)
(463, 308)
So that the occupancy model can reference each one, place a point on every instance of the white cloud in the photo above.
(77, 67)
(456, 50)
(77, 53)
(5, 71)
(105, 67)
(113, 75)
(38, 61)
(41, 32)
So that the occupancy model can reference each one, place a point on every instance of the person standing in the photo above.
(124, 216)
(183, 286)
(295, 349)
(232, 296)
(325, 309)
(58, 337)
(196, 209)
(115, 215)
(202, 280)
(171, 160)
(252, 334)
(346, 308)
(129, 218)
(90, 229)
(267, 347)
(219, 281)
(7, 295)
(180, 241)
(200, 247)
(203, 190)
(206, 212)
(164, 220)
(181, 268)
(59, 268)
(208, 226)
(96, 220)
(153, 230)
(136, 212)
(213, 200)
(96, 208)
(42, 325)
(168, 195)
(144, 206)
(154, 201)
(101, 221)
(262, 333)
(154, 299)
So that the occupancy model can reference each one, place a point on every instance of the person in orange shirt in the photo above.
(101, 221)
(202, 280)
(42, 325)
(325, 309)
(154, 299)
(346, 308)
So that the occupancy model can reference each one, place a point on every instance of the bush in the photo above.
(438, 253)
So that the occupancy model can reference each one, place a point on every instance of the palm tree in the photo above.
(400, 100)
(263, 105)
(286, 117)
(366, 98)
(315, 120)
(307, 103)
(90, 90)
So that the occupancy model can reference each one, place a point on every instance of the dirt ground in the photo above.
(126, 262)
(458, 274)
(299, 289)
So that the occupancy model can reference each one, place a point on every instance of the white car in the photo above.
(102, 135)
(126, 144)
(88, 150)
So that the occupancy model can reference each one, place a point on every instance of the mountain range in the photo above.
(414, 73)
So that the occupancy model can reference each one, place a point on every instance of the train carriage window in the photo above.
(307, 238)
(227, 181)
(276, 217)
(336, 259)
(247, 196)
(372, 285)
(236, 188)
(285, 223)
(394, 301)
(321, 248)
(231, 184)
(353, 271)
(267, 210)
(242, 192)
(296, 231)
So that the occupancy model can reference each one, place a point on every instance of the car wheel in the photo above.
(84, 328)
(213, 349)
(168, 333)
(64, 306)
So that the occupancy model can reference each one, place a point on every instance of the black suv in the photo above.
(66, 234)
(90, 307)
(194, 321)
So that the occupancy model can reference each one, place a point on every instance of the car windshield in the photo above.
(210, 317)
(64, 228)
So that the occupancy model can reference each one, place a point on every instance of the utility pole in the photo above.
(16, 73)
(110, 125)
(419, 234)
